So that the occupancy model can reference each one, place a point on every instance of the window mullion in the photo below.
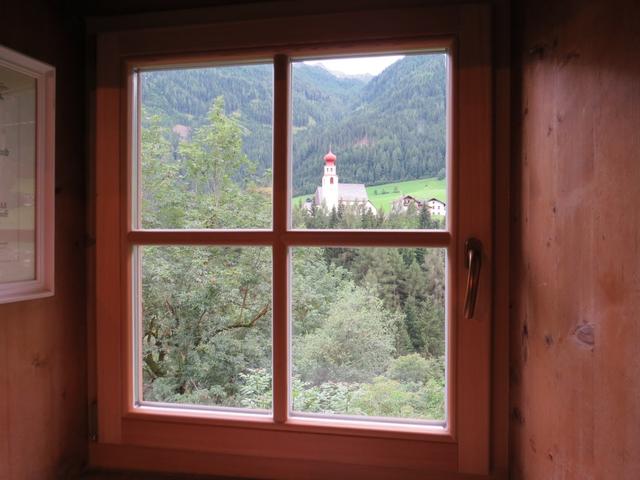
(282, 86)
(368, 238)
(200, 237)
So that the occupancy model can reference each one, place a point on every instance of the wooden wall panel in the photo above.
(575, 393)
(42, 342)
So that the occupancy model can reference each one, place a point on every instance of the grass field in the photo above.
(384, 195)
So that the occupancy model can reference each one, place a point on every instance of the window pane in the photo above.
(206, 147)
(369, 142)
(205, 326)
(17, 176)
(369, 332)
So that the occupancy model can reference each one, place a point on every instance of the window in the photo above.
(240, 308)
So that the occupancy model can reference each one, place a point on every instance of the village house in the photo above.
(435, 206)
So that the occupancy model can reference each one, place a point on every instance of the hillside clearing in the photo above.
(382, 196)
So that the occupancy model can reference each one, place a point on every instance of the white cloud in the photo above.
(357, 65)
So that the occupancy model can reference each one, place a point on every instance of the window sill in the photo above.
(298, 424)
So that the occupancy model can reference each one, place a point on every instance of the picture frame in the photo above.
(27, 177)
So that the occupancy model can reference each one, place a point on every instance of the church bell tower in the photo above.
(330, 181)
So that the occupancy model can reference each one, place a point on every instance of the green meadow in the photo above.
(382, 196)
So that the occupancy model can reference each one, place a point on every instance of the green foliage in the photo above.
(207, 318)
(411, 388)
(315, 285)
(207, 311)
(368, 324)
(425, 217)
(387, 398)
(411, 368)
(184, 97)
(328, 397)
(353, 344)
(418, 394)
(425, 376)
(161, 205)
(201, 184)
(256, 390)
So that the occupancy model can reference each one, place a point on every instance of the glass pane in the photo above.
(205, 326)
(206, 147)
(369, 332)
(17, 176)
(369, 142)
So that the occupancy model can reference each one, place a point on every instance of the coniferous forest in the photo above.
(368, 324)
(389, 128)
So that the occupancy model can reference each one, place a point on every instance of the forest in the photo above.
(384, 129)
(368, 324)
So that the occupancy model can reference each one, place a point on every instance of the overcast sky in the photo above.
(357, 65)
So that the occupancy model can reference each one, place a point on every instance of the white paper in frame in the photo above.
(27, 116)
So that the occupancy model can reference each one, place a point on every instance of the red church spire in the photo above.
(330, 158)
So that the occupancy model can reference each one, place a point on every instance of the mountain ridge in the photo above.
(389, 128)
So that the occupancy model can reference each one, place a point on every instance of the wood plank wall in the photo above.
(43, 361)
(42, 342)
(575, 334)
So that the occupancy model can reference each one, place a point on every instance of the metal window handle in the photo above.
(473, 261)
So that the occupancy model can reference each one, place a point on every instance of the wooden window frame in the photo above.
(193, 441)
(43, 283)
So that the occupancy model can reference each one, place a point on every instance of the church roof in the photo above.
(350, 192)
(347, 192)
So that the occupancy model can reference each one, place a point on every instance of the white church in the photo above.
(332, 194)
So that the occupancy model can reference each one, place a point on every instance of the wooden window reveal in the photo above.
(274, 441)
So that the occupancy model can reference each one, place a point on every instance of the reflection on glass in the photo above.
(369, 142)
(206, 147)
(369, 332)
(17, 176)
(206, 326)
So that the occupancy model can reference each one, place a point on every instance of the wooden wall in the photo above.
(43, 359)
(575, 332)
(42, 342)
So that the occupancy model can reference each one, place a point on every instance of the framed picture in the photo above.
(27, 113)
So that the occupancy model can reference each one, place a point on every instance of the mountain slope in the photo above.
(395, 131)
(390, 128)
